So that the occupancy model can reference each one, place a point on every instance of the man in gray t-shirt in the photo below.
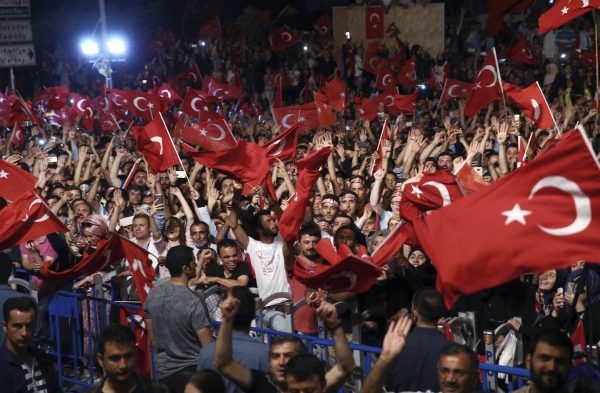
(177, 321)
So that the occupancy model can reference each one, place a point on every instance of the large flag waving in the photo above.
(532, 102)
(27, 218)
(283, 145)
(156, 145)
(14, 181)
(564, 11)
(211, 135)
(487, 86)
(454, 88)
(546, 215)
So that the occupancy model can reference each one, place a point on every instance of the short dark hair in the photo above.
(115, 333)
(446, 153)
(5, 268)
(552, 337)
(245, 315)
(457, 349)
(141, 215)
(430, 305)
(227, 243)
(207, 381)
(280, 340)
(309, 230)
(20, 303)
(256, 222)
(302, 367)
(177, 258)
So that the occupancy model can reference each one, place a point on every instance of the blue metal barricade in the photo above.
(67, 309)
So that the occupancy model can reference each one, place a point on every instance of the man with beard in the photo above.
(271, 258)
(549, 360)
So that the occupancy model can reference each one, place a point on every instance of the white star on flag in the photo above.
(564, 11)
(417, 191)
(516, 214)
(203, 132)
(3, 174)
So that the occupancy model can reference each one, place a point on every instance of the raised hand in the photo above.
(229, 308)
(395, 338)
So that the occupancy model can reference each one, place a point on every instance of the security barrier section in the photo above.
(76, 321)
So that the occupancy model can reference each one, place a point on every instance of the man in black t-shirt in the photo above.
(233, 271)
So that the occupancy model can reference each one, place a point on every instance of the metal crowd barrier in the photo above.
(77, 319)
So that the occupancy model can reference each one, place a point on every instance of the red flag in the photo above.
(406, 103)
(278, 99)
(552, 203)
(385, 77)
(80, 105)
(532, 102)
(393, 102)
(579, 342)
(211, 135)
(247, 162)
(393, 243)
(140, 267)
(366, 108)
(195, 105)
(59, 95)
(17, 136)
(455, 89)
(432, 191)
(309, 170)
(521, 51)
(407, 77)
(564, 11)
(385, 136)
(180, 125)
(324, 25)
(14, 181)
(498, 8)
(374, 27)
(211, 29)
(155, 143)
(132, 172)
(166, 95)
(305, 115)
(135, 320)
(487, 87)
(224, 91)
(283, 38)
(108, 122)
(335, 90)
(27, 218)
(470, 181)
(325, 114)
(373, 57)
(587, 59)
(283, 145)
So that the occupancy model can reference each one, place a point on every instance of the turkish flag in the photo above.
(155, 143)
(14, 181)
(407, 77)
(325, 114)
(140, 267)
(406, 103)
(587, 59)
(309, 170)
(579, 342)
(374, 27)
(469, 180)
(80, 105)
(432, 191)
(143, 105)
(305, 115)
(278, 99)
(498, 8)
(335, 90)
(564, 11)
(108, 122)
(166, 95)
(135, 320)
(59, 95)
(385, 77)
(196, 105)
(455, 89)
(374, 57)
(367, 109)
(521, 51)
(58, 117)
(393, 102)
(487, 86)
(546, 215)
(532, 102)
(18, 135)
(26, 218)
(211, 29)
(385, 136)
(211, 135)
(393, 243)
(283, 38)
(247, 162)
(324, 25)
(224, 91)
(283, 145)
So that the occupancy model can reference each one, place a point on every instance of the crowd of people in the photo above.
(203, 230)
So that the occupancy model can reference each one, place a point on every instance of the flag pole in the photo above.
(500, 81)
(551, 114)
(175, 149)
(596, 55)
(441, 95)
(527, 146)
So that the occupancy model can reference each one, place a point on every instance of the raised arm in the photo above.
(239, 232)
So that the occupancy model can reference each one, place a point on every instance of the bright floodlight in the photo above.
(89, 47)
(116, 46)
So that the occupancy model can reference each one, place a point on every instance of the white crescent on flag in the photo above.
(135, 103)
(492, 70)
(159, 140)
(221, 132)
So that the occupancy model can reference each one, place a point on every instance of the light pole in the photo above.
(105, 51)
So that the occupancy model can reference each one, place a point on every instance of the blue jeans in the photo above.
(276, 320)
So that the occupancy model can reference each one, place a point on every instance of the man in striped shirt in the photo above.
(24, 368)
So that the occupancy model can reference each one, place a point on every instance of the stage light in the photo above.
(89, 47)
(116, 46)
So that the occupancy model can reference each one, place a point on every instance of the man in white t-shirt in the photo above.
(270, 256)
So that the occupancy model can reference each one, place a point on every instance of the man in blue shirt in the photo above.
(246, 350)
